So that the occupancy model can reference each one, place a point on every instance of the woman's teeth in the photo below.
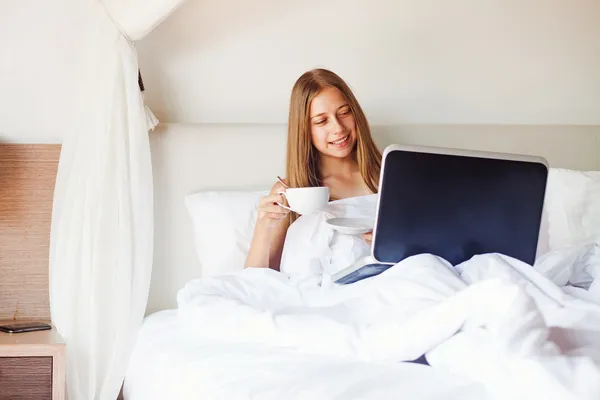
(340, 141)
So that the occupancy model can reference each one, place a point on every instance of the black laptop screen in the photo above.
(458, 206)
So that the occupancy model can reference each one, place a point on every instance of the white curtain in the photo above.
(101, 242)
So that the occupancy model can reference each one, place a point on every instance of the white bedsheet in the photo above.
(166, 364)
(492, 320)
(491, 328)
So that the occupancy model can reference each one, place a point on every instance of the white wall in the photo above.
(38, 43)
(417, 61)
(410, 61)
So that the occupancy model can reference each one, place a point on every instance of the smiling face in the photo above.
(332, 124)
(326, 121)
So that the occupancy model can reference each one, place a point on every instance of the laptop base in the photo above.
(361, 269)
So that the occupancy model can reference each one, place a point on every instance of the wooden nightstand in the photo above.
(32, 365)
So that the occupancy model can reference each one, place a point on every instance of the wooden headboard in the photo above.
(27, 177)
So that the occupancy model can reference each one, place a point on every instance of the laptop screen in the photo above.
(457, 206)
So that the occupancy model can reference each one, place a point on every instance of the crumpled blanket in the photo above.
(521, 331)
(492, 319)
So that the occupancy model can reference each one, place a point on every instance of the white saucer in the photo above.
(351, 226)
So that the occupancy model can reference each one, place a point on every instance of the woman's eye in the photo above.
(345, 112)
(319, 122)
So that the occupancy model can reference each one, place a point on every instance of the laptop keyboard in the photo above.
(362, 273)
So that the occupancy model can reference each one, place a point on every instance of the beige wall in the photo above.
(409, 61)
(38, 50)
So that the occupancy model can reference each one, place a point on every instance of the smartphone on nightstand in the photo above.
(19, 327)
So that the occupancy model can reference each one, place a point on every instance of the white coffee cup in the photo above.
(306, 200)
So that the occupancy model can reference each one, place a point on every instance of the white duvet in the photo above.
(518, 331)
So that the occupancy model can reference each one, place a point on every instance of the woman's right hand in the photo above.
(269, 231)
(268, 209)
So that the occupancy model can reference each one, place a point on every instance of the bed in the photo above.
(213, 331)
(168, 366)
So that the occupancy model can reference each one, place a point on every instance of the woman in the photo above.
(329, 144)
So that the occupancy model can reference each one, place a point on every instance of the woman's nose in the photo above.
(336, 126)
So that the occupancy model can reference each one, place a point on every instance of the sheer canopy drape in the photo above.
(101, 242)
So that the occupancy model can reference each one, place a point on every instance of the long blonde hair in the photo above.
(302, 157)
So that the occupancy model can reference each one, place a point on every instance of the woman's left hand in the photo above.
(368, 237)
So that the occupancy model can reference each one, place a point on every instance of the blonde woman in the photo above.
(329, 144)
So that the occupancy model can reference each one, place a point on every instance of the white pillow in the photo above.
(223, 221)
(223, 224)
(572, 208)
(543, 246)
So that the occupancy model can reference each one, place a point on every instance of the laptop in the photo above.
(454, 204)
